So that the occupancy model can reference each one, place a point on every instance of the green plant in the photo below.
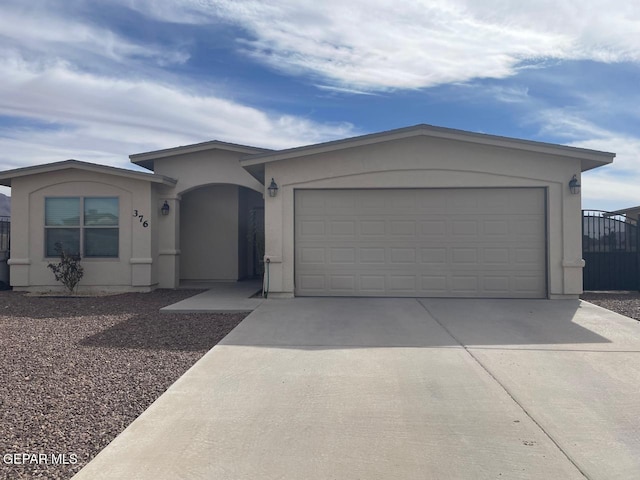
(68, 270)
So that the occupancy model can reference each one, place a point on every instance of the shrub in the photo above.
(68, 270)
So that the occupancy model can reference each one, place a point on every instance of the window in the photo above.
(82, 224)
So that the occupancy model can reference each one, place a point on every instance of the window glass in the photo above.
(62, 211)
(100, 211)
(101, 242)
(68, 237)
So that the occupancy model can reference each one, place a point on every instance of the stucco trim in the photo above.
(370, 173)
(19, 261)
(580, 263)
(141, 261)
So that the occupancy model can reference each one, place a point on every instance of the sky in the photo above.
(100, 80)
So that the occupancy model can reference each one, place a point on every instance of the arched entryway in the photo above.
(218, 240)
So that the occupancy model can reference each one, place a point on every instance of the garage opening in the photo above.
(449, 242)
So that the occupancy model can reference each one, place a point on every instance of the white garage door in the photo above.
(464, 242)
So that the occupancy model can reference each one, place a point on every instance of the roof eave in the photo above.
(146, 159)
(8, 175)
(624, 211)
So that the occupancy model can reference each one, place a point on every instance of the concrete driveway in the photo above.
(352, 388)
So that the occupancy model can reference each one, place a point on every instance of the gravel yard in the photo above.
(76, 371)
(625, 303)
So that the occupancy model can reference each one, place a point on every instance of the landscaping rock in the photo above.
(74, 372)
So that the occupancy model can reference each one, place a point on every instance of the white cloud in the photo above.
(615, 186)
(602, 190)
(380, 45)
(54, 81)
(100, 119)
(47, 35)
(52, 62)
(607, 188)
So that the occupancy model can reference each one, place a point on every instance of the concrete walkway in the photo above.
(398, 388)
(221, 297)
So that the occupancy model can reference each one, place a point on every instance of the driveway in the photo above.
(350, 388)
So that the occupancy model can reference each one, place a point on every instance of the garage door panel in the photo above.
(372, 255)
(433, 228)
(401, 283)
(311, 256)
(433, 256)
(312, 283)
(343, 246)
(374, 228)
(372, 284)
(311, 228)
(496, 255)
(498, 285)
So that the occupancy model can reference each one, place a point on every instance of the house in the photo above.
(418, 211)
(632, 214)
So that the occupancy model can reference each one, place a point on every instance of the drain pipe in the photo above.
(265, 279)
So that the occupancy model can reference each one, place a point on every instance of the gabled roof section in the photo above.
(589, 158)
(146, 159)
(627, 211)
(8, 175)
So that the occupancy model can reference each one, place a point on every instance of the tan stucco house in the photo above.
(419, 211)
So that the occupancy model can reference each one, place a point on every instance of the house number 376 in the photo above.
(140, 217)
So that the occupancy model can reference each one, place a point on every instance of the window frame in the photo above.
(81, 227)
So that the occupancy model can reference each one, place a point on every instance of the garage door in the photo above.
(466, 242)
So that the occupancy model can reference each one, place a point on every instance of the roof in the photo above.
(8, 175)
(626, 211)
(589, 158)
(146, 159)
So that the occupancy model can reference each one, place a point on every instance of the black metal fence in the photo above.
(5, 237)
(611, 250)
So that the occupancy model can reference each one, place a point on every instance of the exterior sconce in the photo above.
(165, 208)
(574, 186)
(273, 188)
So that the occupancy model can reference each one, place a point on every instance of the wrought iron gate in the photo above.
(611, 250)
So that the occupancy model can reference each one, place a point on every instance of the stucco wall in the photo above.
(132, 270)
(203, 168)
(423, 162)
(168, 238)
(209, 233)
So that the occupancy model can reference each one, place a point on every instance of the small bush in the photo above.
(68, 270)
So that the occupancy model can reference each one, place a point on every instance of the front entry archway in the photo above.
(214, 233)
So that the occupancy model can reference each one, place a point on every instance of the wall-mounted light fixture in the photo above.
(165, 208)
(273, 188)
(574, 186)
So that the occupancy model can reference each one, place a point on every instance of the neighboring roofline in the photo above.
(7, 175)
(590, 158)
(146, 159)
(624, 211)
